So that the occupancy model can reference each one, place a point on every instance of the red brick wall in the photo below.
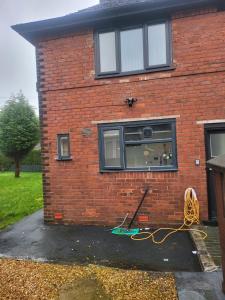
(71, 99)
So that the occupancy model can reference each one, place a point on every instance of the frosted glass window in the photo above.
(217, 143)
(63, 146)
(112, 148)
(157, 44)
(107, 48)
(132, 57)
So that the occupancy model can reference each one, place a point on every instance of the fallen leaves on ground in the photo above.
(27, 280)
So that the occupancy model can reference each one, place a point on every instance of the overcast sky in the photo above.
(17, 56)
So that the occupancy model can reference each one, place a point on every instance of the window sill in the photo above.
(64, 159)
(140, 170)
(167, 68)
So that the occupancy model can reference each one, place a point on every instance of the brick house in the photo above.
(132, 94)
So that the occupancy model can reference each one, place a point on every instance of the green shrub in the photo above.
(33, 158)
(19, 129)
(5, 163)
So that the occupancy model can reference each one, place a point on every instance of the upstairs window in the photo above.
(131, 46)
(133, 50)
(157, 45)
(146, 145)
(107, 51)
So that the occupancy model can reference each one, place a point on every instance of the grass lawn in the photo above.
(19, 197)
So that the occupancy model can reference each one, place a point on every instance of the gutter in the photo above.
(35, 31)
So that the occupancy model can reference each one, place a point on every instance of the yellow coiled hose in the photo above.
(191, 216)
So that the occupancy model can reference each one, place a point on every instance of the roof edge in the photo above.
(34, 31)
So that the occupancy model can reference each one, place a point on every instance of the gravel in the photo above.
(27, 280)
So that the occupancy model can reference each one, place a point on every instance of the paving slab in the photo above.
(213, 243)
(32, 239)
(199, 286)
(209, 250)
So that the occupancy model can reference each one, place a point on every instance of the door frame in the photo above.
(210, 128)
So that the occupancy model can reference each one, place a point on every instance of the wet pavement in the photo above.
(199, 286)
(31, 239)
(213, 243)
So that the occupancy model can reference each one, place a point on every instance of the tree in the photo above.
(19, 129)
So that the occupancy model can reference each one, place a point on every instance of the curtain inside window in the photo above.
(157, 44)
(112, 148)
(107, 47)
(132, 57)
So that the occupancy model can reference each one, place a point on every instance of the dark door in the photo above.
(215, 145)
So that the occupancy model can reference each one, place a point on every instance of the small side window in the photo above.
(63, 146)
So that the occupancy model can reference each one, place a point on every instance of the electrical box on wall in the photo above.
(197, 162)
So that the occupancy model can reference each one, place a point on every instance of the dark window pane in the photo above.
(112, 148)
(132, 50)
(217, 144)
(149, 155)
(157, 44)
(148, 132)
(107, 48)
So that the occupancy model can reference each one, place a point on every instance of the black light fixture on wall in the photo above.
(130, 101)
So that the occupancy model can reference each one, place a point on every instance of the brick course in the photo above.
(71, 99)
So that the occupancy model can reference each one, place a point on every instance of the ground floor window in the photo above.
(148, 145)
(63, 142)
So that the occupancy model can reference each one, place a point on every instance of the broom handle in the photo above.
(139, 206)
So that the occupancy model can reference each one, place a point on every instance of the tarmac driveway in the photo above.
(31, 239)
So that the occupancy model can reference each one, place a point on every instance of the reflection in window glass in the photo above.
(132, 57)
(157, 44)
(217, 143)
(136, 133)
(148, 155)
(107, 47)
(112, 148)
(146, 145)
